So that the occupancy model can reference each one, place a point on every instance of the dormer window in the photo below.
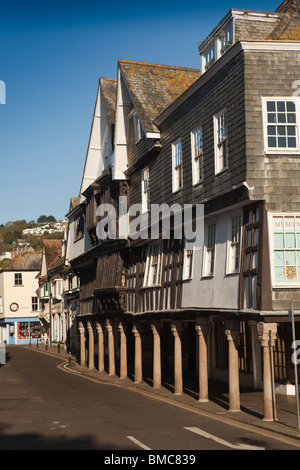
(219, 42)
(210, 57)
(227, 39)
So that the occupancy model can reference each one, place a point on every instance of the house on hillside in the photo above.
(226, 138)
(19, 321)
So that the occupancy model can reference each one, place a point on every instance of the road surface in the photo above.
(45, 407)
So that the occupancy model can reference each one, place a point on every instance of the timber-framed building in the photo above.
(224, 136)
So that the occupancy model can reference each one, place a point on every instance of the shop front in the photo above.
(21, 330)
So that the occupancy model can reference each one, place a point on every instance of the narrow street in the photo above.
(45, 407)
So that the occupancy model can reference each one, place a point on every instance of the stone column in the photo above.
(156, 330)
(267, 335)
(81, 330)
(203, 328)
(111, 347)
(123, 351)
(138, 357)
(232, 331)
(91, 345)
(177, 329)
(99, 329)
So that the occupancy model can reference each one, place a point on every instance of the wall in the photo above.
(274, 178)
(221, 290)
(19, 294)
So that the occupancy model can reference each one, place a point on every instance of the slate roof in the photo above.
(53, 251)
(25, 261)
(288, 28)
(153, 87)
(109, 88)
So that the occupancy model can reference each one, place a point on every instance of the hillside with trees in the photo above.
(12, 237)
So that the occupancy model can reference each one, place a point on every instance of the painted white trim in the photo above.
(185, 276)
(230, 272)
(192, 137)
(258, 46)
(206, 275)
(280, 151)
(175, 189)
(219, 170)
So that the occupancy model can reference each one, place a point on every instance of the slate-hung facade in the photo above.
(225, 136)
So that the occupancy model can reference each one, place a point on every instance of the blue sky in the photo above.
(51, 55)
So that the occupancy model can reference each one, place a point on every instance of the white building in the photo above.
(19, 304)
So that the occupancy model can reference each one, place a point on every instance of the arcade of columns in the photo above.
(266, 333)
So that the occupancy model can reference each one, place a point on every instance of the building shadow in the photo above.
(35, 441)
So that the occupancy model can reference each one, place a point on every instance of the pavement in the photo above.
(250, 416)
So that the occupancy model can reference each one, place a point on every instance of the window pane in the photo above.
(281, 117)
(279, 240)
(271, 118)
(292, 142)
(271, 130)
(279, 258)
(271, 106)
(281, 130)
(281, 106)
(281, 142)
(291, 106)
(290, 240)
(291, 118)
(290, 258)
(291, 130)
(279, 275)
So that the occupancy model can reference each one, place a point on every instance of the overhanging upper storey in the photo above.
(237, 25)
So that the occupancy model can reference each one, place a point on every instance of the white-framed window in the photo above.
(18, 279)
(210, 56)
(138, 131)
(197, 155)
(145, 177)
(57, 288)
(234, 244)
(177, 165)
(221, 141)
(285, 249)
(217, 46)
(106, 154)
(34, 304)
(153, 265)
(227, 39)
(209, 250)
(188, 262)
(281, 118)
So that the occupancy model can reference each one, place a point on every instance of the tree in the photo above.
(43, 218)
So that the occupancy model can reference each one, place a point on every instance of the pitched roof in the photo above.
(109, 89)
(288, 28)
(25, 261)
(153, 87)
(52, 250)
(74, 201)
